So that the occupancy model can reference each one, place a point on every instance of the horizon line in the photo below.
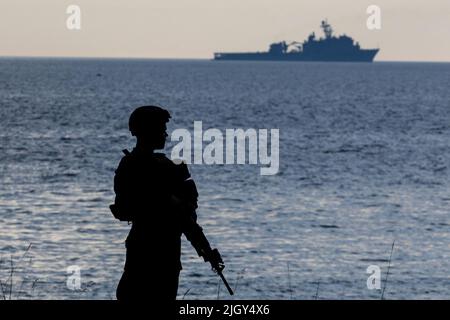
(186, 58)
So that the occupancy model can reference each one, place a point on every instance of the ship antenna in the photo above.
(326, 29)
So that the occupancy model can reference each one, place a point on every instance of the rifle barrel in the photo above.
(230, 291)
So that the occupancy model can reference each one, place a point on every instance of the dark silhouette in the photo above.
(330, 48)
(159, 198)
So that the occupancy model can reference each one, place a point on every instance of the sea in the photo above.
(359, 208)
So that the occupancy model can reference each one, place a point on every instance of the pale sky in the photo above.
(411, 30)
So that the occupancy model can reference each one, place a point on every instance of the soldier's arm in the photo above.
(185, 200)
(185, 207)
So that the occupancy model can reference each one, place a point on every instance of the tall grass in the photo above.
(317, 291)
(7, 287)
(387, 273)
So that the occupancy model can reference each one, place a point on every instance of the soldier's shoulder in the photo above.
(177, 167)
(126, 160)
(161, 157)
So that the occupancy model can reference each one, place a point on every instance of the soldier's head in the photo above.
(148, 124)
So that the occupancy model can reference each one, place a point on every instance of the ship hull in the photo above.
(362, 55)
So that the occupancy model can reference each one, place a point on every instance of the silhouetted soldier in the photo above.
(159, 198)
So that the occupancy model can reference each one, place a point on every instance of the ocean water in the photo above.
(364, 162)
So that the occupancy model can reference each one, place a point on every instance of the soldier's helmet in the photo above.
(147, 119)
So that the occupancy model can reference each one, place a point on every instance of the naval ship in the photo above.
(329, 48)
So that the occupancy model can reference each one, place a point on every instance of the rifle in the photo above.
(217, 265)
(185, 202)
(194, 233)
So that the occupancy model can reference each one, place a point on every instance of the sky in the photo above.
(411, 30)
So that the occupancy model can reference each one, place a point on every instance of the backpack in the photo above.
(120, 213)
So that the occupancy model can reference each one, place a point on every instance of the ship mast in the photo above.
(326, 29)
